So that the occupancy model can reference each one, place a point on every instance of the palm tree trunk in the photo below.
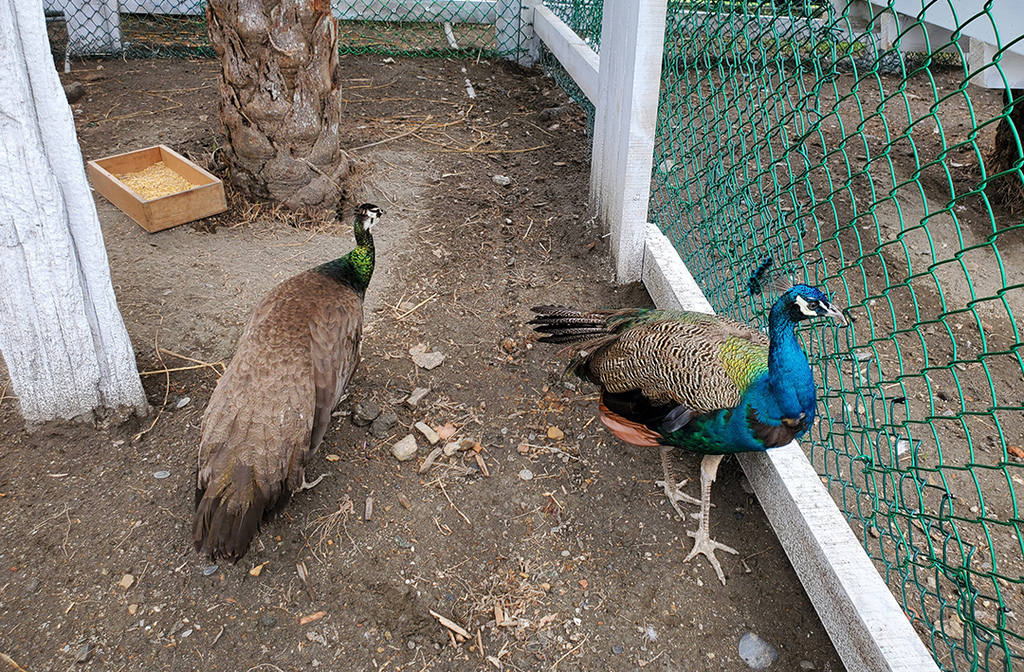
(280, 99)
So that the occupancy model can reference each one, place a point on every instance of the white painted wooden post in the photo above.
(632, 42)
(62, 338)
(513, 30)
(94, 27)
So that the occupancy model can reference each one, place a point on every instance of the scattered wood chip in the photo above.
(368, 511)
(483, 465)
(430, 459)
(300, 569)
(1015, 451)
(404, 501)
(451, 625)
(499, 615)
(427, 431)
(255, 571)
(305, 620)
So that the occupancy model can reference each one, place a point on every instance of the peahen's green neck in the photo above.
(355, 268)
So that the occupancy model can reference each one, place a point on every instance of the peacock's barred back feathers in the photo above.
(704, 361)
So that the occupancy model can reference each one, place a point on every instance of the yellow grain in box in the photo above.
(157, 187)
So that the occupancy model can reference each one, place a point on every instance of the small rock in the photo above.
(83, 653)
(404, 501)
(426, 430)
(405, 449)
(617, 650)
(428, 360)
(417, 396)
(555, 434)
(74, 91)
(161, 474)
(502, 180)
(126, 581)
(210, 570)
(551, 113)
(451, 448)
(363, 413)
(526, 475)
(756, 652)
(132, 608)
(383, 425)
(32, 586)
(806, 665)
(183, 402)
(268, 621)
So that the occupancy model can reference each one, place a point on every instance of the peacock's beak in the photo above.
(829, 310)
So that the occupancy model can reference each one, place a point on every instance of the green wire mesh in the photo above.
(788, 130)
(177, 28)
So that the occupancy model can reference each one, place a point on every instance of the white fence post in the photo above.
(632, 43)
(513, 30)
(94, 27)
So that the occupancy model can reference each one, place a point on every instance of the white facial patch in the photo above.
(804, 307)
(372, 215)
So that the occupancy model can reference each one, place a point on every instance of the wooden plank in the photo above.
(111, 188)
(632, 42)
(864, 621)
(573, 54)
(185, 168)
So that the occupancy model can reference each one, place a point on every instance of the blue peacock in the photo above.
(695, 381)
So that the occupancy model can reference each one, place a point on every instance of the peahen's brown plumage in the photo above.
(273, 404)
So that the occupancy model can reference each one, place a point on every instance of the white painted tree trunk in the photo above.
(61, 335)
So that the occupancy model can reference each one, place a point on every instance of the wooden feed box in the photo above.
(202, 200)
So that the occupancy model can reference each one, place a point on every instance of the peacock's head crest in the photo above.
(367, 215)
(803, 302)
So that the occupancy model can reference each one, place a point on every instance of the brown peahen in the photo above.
(696, 381)
(273, 404)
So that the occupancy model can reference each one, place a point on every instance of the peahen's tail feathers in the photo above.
(226, 521)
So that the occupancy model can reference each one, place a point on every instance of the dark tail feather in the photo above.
(219, 532)
(559, 324)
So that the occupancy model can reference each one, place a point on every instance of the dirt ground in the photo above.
(561, 555)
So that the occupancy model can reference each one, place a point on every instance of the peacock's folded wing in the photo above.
(701, 362)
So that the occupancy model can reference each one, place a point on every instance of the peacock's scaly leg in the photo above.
(702, 541)
(672, 489)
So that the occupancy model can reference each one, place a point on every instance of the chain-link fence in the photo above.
(851, 146)
(161, 28)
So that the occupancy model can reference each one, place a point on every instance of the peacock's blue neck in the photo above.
(789, 374)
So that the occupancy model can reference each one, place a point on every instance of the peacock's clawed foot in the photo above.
(706, 546)
(672, 489)
(306, 485)
(675, 495)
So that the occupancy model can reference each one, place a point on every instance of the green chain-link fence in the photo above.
(160, 28)
(850, 146)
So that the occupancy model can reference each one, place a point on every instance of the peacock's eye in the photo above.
(813, 304)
